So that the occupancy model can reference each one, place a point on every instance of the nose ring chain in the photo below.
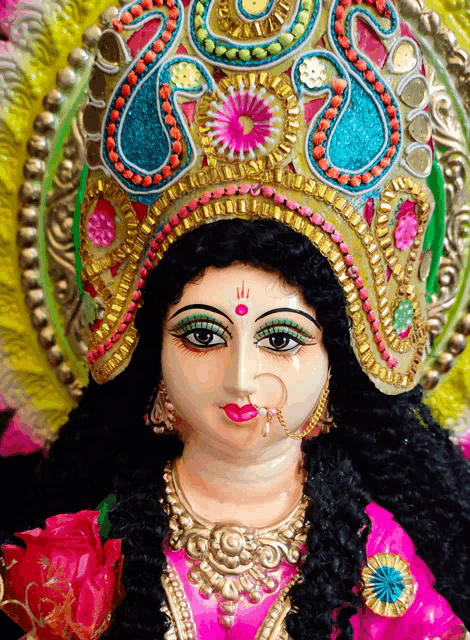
(270, 413)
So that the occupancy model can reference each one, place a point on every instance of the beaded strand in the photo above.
(254, 190)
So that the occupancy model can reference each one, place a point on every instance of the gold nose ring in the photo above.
(264, 411)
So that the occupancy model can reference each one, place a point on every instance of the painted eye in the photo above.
(204, 338)
(279, 342)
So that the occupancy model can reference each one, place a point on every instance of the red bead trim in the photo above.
(140, 67)
(338, 87)
(255, 191)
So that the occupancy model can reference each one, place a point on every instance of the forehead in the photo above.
(242, 280)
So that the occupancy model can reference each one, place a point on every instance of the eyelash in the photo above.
(180, 333)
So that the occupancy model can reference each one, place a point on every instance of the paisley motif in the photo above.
(356, 138)
(147, 146)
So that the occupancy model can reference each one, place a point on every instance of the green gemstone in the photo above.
(219, 51)
(231, 54)
(199, 8)
(198, 22)
(244, 54)
(286, 39)
(259, 53)
(274, 48)
(209, 45)
(298, 30)
(201, 34)
(304, 17)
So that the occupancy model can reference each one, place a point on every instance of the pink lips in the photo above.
(240, 414)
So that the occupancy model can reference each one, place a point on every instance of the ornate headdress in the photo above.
(313, 116)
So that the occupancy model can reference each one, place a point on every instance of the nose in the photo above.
(239, 377)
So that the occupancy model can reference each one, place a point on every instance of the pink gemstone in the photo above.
(241, 310)
(244, 189)
(183, 213)
(132, 307)
(292, 205)
(392, 362)
(205, 198)
(278, 199)
(317, 219)
(378, 337)
(154, 245)
(385, 354)
(371, 316)
(305, 211)
(363, 293)
(100, 349)
(381, 346)
(369, 210)
(366, 306)
(328, 227)
(144, 272)
(375, 325)
(122, 327)
(267, 192)
(127, 317)
(255, 190)
(167, 229)
(353, 272)
(193, 205)
(349, 260)
(231, 190)
(219, 192)
(344, 248)
(159, 237)
(174, 221)
(337, 237)
(359, 283)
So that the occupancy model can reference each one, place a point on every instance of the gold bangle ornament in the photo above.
(270, 412)
(316, 416)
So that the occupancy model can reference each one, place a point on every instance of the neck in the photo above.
(257, 490)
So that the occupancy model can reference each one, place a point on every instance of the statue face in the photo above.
(230, 326)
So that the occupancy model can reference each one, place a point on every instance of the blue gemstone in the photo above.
(388, 584)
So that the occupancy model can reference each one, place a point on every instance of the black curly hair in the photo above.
(385, 448)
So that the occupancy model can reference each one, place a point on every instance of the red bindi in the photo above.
(241, 310)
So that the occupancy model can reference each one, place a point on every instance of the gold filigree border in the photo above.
(252, 208)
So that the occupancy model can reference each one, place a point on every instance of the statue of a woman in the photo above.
(254, 270)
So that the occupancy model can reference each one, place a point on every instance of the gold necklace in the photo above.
(229, 561)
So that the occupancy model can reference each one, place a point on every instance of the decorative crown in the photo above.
(277, 109)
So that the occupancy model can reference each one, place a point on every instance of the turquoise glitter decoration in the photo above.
(388, 584)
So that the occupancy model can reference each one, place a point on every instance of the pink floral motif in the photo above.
(407, 225)
(242, 123)
(101, 227)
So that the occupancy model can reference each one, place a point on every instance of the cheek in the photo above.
(189, 372)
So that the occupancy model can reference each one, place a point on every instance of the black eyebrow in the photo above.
(283, 309)
(207, 307)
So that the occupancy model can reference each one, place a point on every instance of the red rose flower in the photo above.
(65, 584)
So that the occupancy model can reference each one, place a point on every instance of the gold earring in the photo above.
(315, 418)
(163, 412)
